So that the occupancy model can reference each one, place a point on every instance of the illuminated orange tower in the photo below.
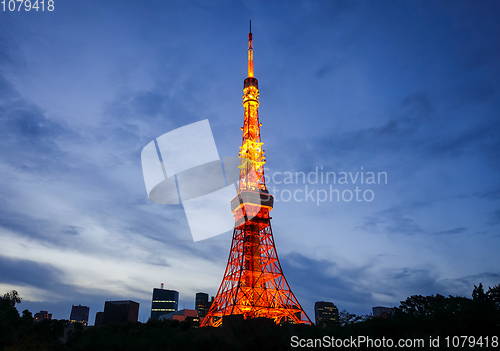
(253, 284)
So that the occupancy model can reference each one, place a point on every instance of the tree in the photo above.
(9, 317)
(478, 293)
(27, 316)
(416, 305)
(494, 295)
(346, 318)
(13, 296)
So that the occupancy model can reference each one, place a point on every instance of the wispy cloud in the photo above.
(489, 195)
(453, 231)
(395, 220)
(494, 218)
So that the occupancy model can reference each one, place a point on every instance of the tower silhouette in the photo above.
(253, 284)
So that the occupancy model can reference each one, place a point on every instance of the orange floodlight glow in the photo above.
(253, 284)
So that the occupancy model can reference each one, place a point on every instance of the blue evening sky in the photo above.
(409, 88)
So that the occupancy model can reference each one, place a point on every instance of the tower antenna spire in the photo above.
(250, 52)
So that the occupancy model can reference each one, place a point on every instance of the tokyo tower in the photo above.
(253, 284)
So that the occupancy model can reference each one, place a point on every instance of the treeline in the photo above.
(418, 317)
(19, 332)
(425, 317)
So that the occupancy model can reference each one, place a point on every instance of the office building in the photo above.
(120, 312)
(40, 316)
(79, 314)
(202, 304)
(383, 312)
(185, 315)
(164, 301)
(326, 313)
(99, 317)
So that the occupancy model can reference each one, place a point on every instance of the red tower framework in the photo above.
(253, 284)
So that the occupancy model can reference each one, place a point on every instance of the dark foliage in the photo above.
(416, 317)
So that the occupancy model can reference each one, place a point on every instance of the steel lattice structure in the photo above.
(253, 284)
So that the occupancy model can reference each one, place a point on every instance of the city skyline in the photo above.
(408, 89)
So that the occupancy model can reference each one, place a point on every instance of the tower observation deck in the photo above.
(253, 285)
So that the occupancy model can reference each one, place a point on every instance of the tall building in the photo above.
(253, 285)
(79, 314)
(120, 312)
(99, 319)
(164, 301)
(40, 316)
(326, 313)
(202, 304)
